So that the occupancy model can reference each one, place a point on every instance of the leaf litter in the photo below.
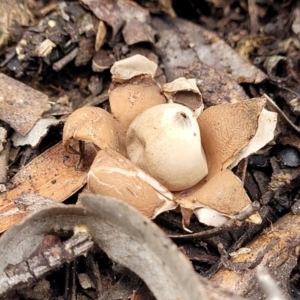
(216, 69)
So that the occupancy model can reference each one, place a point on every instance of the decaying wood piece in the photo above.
(124, 234)
(279, 258)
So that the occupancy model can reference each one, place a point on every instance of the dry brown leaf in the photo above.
(10, 215)
(20, 105)
(52, 174)
(127, 237)
(216, 53)
(128, 15)
(180, 58)
(100, 36)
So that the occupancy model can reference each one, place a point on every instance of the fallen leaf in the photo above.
(179, 59)
(123, 233)
(20, 105)
(35, 135)
(52, 175)
(216, 53)
(126, 15)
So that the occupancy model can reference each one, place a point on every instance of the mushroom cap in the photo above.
(165, 142)
(113, 175)
(92, 124)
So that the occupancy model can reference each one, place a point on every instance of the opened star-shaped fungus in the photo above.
(174, 149)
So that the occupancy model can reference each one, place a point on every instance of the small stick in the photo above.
(281, 113)
(26, 272)
(65, 60)
(242, 216)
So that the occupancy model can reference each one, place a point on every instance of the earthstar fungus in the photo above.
(172, 143)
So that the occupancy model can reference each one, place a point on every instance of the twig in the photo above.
(29, 271)
(281, 113)
(93, 271)
(65, 60)
(243, 215)
(238, 266)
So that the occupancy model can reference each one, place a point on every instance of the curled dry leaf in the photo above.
(165, 142)
(113, 175)
(91, 124)
(184, 91)
(123, 233)
(133, 90)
